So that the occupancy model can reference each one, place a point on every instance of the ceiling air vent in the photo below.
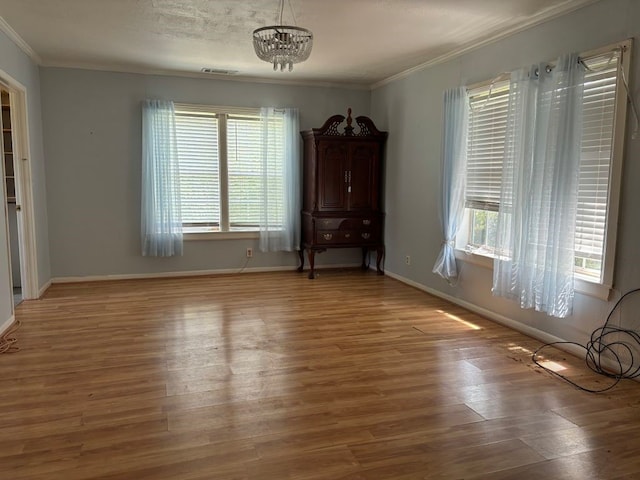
(218, 71)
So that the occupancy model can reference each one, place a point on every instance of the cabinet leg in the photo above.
(379, 260)
(312, 255)
(301, 254)
(365, 250)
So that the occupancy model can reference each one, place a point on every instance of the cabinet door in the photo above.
(332, 176)
(363, 168)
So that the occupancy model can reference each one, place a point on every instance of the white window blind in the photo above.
(485, 147)
(595, 163)
(485, 151)
(222, 182)
(275, 173)
(198, 155)
(244, 169)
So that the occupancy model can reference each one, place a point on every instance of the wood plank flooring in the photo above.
(272, 376)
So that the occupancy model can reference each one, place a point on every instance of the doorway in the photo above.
(18, 194)
(13, 207)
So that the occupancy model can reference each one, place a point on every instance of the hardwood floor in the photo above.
(273, 376)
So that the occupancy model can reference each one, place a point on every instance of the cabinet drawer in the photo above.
(360, 223)
(328, 237)
(366, 236)
(341, 223)
(346, 237)
(329, 223)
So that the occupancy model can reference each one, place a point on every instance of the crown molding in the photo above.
(115, 68)
(19, 41)
(550, 14)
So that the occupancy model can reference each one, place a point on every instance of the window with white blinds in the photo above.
(244, 166)
(485, 145)
(220, 156)
(485, 152)
(275, 173)
(601, 80)
(198, 154)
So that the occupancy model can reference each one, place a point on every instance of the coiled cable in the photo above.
(607, 339)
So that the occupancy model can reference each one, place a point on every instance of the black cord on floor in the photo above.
(604, 340)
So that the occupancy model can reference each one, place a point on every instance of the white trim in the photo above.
(205, 76)
(28, 248)
(501, 319)
(182, 107)
(5, 326)
(550, 14)
(19, 41)
(540, 335)
(24, 185)
(474, 258)
(617, 165)
(193, 273)
(5, 217)
(585, 287)
(593, 289)
(223, 172)
(44, 288)
(194, 236)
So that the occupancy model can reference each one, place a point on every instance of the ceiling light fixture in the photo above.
(283, 45)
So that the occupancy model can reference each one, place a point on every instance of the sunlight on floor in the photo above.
(458, 319)
(553, 366)
(518, 348)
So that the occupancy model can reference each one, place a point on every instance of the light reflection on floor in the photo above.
(519, 349)
(553, 366)
(458, 319)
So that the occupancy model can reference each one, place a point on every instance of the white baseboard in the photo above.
(190, 273)
(541, 335)
(5, 326)
(43, 289)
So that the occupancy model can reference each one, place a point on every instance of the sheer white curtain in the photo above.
(280, 210)
(161, 219)
(454, 165)
(536, 221)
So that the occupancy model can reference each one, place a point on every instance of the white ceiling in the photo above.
(359, 42)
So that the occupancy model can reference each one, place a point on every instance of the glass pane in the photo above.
(483, 231)
(244, 168)
(197, 139)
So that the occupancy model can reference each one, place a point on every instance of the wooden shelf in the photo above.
(10, 183)
(7, 143)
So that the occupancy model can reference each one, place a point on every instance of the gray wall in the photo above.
(19, 66)
(411, 109)
(93, 141)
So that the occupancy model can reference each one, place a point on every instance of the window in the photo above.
(604, 111)
(485, 150)
(220, 158)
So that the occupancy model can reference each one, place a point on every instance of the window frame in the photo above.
(588, 286)
(222, 114)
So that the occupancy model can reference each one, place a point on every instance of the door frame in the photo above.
(24, 186)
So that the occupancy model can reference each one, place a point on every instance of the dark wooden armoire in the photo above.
(341, 191)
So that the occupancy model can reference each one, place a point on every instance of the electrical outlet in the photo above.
(407, 260)
(249, 252)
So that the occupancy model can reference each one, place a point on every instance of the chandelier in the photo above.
(283, 45)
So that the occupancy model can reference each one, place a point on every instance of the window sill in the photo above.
(585, 287)
(220, 235)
